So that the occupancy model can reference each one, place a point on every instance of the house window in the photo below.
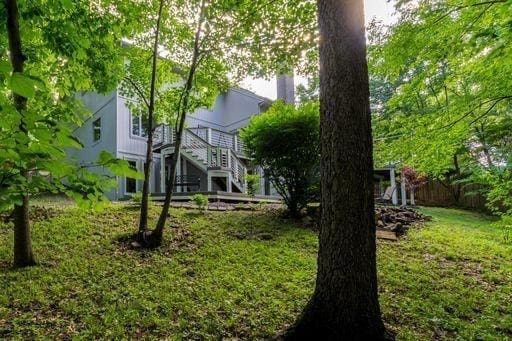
(131, 184)
(139, 126)
(96, 130)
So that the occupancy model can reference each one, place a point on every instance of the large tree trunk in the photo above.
(345, 303)
(144, 207)
(23, 255)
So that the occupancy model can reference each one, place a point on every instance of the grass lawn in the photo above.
(246, 275)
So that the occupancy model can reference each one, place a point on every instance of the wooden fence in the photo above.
(433, 193)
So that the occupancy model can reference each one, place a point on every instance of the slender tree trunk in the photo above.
(457, 186)
(155, 237)
(23, 255)
(157, 233)
(144, 207)
(345, 303)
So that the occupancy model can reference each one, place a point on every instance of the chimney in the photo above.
(286, 88)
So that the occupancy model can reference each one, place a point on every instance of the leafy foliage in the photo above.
(413, 179)
(67, 50)
(253, 183)
(448, 66)
(498, 191)
(444, 71)
(200, 200)
(212, 38)
(285, 142)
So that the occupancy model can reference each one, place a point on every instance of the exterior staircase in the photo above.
(214, 152)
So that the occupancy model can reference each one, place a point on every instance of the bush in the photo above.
(253, 184)
(285, 142)
(498, 192)
(200, 200)
(137, 197)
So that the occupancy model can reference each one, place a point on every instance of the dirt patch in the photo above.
(51, 318)
(177, 237)
(252, 235)
(469, 269)
(36, 213)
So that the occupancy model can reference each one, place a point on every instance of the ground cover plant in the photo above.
(244, 274)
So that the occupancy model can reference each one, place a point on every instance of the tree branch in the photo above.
(137, 89)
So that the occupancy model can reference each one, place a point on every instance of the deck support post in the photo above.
(209, 136)
(178, 173)
(403, 192)
(229, 183)
(163, 180)
(185, 173)
(392, 178)
(208, 182)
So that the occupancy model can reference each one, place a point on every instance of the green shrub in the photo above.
(137, 197)
(200, 200)
(285, 142)
(253, 184)
(498, 192)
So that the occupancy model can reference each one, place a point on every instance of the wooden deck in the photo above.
(220, 196)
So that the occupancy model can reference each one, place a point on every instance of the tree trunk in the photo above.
(144, 207)
(157, 233)
(457, 187)
(344, 305)
(23, 255)
(154, 238)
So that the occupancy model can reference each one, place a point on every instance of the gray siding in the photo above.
(103, 107)
(232, 110)
(131, 147)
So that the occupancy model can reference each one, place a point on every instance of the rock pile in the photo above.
(397, 219)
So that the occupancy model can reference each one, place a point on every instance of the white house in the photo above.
(212, 159)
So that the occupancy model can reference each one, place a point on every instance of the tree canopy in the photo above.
(448, 64)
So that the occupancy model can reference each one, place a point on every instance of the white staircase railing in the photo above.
(218, 138)
(196, 145)
(162, 135)
(238, 171)
(212, 147)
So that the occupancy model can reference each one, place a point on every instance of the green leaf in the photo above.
(66, 4)
(5, 67)
(22, 85)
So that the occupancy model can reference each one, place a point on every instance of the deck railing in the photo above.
(214, 147)
(162, 135)
(218, 138)
(196, 145)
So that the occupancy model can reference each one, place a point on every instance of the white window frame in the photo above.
(139, 119)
